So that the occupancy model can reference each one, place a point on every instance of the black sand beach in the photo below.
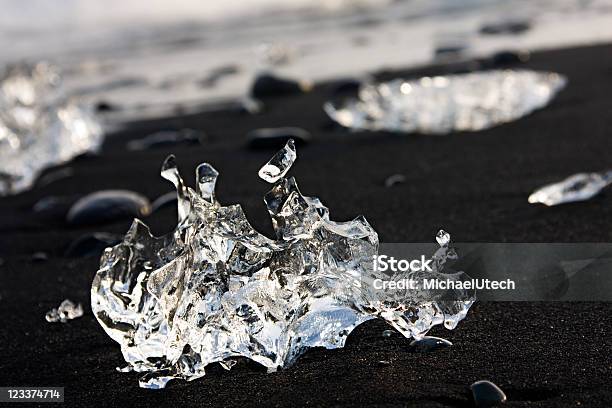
(474, 185)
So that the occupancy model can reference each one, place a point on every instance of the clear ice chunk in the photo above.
(443, 104)
(216, 289)
(279, 164)
(579, 187)
(39, 126)
(67, 310)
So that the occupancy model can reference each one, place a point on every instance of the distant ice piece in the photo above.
(39, 127)
(279, 164)
(579, 187)
(67, 310)
(444, 104)
(216, 289)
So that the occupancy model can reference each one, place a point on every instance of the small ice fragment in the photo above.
(228, 364)
(67, 310)
(444, 104)
(126, 369)
(206, 176)
(153, 381)
(383, 362)
(443, 238)
(579, 187)
(39, 126)
(394, 179)
(429, 343)
(388, 333)
(279, 164)
(486, 394)
(274, 54)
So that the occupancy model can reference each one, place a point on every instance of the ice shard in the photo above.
(444, 104)
(578, 187)
(39, 126)
(67, 310)
(216, 289)
(279, 164)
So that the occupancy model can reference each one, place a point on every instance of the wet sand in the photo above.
(474, 185)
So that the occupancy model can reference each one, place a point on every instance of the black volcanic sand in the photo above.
(474, 185)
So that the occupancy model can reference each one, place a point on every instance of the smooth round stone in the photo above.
(277, 137)
(91, 244)
(54, 175)
(104, 106)
(346, 87)
(395, 179)
(167, 138)
(505, 27)
(266, 85)
(39, 257)
(429, 343)
(486, 394)
(503, 58)
(450, 51)
(54, 205)
(108, 205)
(164, 200)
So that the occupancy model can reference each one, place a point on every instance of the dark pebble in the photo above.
(108, 205)
(266, 85)
(164, 201)
(218, 73)
(506, 27)
(347, 87)
(509, 58)
(54, 206)
(39, 257)
(167, 138)
(91, 244)
(429, 343)
(276, 137)
(54, 175)
(449, 51)
(104, 106)
(394, 179)
(487, 394)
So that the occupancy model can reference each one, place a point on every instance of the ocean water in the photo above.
(152, 57)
